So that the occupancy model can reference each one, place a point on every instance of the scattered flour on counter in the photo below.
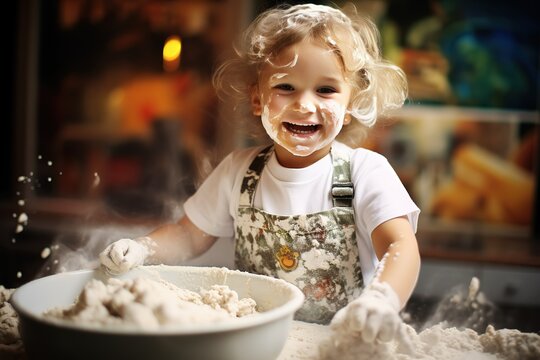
(438, 343)
(150, 304)
(444, 340)
(10, 339)
(511, 343)
(318, 342)
(303, 341)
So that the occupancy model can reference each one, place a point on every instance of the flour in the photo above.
(511, 343)
(147, 304)
(317, 342)
(303, 341)
(464, 308)
(10, 339)
(151, 304)
(438, 341)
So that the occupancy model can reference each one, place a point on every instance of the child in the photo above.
(307, 209)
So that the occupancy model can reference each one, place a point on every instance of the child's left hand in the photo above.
(373, 315)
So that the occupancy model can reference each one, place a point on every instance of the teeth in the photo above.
(303, 124)
(299, 128)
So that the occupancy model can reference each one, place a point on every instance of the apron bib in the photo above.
(316, 252)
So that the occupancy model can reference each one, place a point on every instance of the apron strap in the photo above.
(342, 186)
(251, 179)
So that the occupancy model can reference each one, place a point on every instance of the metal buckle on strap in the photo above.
(343, 191)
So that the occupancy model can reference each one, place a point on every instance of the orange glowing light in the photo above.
(172, 48)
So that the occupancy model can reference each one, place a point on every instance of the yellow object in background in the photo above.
(486, 187)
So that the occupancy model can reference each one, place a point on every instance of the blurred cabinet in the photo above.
(108, 126)
(105, 113)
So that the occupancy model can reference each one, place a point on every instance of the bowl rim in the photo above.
(289, 308)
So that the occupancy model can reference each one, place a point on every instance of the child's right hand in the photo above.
(125, 254)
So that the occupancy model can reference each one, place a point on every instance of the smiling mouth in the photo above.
(306, 129)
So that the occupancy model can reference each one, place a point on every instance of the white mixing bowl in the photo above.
(257, 337)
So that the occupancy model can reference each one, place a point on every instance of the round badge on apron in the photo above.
(316, 252)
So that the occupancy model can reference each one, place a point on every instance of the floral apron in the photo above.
(316, 252)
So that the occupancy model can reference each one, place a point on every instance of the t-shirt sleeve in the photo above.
(381, 196)
(208, 208)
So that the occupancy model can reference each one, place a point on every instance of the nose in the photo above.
(304, 103)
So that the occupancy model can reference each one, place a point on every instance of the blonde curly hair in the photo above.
(377, 85)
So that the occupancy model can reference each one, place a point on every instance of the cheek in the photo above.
(275, 105)
(333, 113)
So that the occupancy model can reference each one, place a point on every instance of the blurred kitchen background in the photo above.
(110, 122)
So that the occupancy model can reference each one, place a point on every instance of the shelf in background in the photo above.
(502, 245)
(445, 112)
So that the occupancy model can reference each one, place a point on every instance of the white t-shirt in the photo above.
(379, 195)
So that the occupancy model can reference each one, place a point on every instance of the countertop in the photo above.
(303, 341)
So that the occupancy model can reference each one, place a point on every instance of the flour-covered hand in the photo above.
(125, 254)
(374, 315)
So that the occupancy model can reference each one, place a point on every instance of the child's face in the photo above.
(302, 97)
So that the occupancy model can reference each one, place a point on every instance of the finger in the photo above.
(118, 251)
(106, 260)
(134, 256)
(388, 328)
(105, 257)
(357, 318)
(405, 342)
(339, 318)
(372, 326)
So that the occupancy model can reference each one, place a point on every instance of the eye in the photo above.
(326, 90)
(284, 87)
